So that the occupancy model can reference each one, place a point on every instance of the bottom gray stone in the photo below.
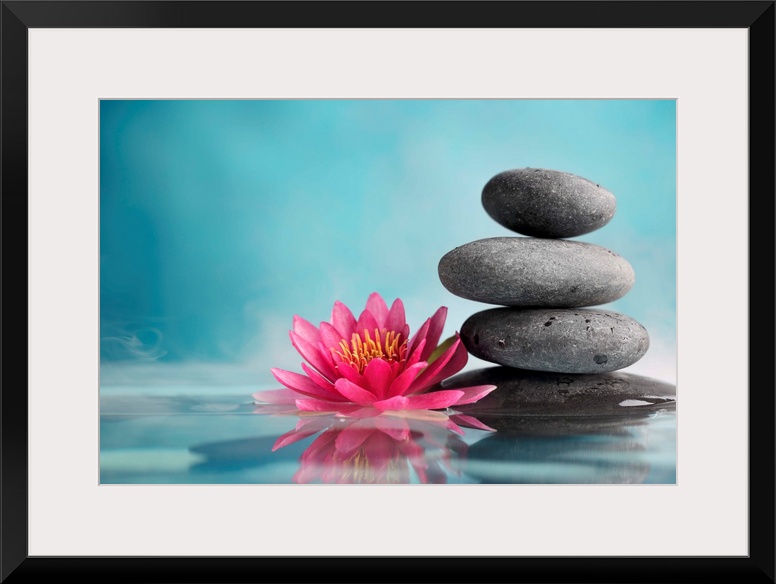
(555, 339)
(538, 393)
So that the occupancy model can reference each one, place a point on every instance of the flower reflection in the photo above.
(369, 446)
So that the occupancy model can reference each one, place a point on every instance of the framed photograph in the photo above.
(508, 375)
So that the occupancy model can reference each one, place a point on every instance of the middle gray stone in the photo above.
(527, 271)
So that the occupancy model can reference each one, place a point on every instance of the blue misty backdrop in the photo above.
(221, 219)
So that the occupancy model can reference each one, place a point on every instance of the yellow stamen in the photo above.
(386, 345)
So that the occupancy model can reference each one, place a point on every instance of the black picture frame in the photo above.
(756, 16)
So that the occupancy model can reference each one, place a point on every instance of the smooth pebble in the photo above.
(547, 203)
(555, 339)
(521, 392)
(527, 271)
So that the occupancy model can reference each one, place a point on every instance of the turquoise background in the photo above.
(220, 220)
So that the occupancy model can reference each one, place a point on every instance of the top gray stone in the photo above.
(547, 203)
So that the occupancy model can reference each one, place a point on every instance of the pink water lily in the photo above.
(373, 362)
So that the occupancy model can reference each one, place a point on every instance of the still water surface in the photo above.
(180, 435)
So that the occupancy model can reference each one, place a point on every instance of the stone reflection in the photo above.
(559, 451)
(554, 428)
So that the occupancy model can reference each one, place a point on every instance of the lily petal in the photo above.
(327, 355)
(402, 383)
(313, 356)
(436, 324)
(420, 334)
(304, 385)
(473, 394)
(367, 322)
(349, 372)
(275, 396)
(379, 309)
(434, 400)
(354, 393)
(396, 319)
(379, 376)
(318, 378)
(431, 416)
(307, 330)
(415, 357)
(396, 402)
(450, 362)
(318, 405)
(331, 337)
(343, 320)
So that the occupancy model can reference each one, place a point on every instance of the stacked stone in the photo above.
(543, 283)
